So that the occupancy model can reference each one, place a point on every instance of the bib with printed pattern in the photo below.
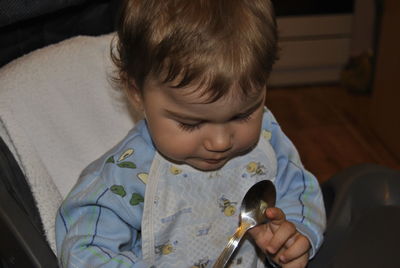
(189, 215)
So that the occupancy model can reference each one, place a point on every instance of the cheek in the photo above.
(248, 136)
(171, 141)
(248, 139)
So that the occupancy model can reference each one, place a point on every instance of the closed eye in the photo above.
(243, 117)
(192, 127)
(189, 127)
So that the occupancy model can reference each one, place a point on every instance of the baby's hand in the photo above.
(280, 239)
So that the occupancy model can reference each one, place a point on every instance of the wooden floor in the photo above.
(330, 128)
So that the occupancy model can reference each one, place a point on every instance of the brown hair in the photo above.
(212, 43)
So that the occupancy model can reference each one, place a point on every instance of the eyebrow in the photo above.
(252, 108)
(249, 110)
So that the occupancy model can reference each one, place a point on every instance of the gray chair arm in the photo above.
(363, 204)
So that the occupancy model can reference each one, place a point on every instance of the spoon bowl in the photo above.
(258, 198)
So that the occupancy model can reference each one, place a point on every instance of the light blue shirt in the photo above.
(99, 222)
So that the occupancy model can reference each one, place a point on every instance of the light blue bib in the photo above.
(189, 215)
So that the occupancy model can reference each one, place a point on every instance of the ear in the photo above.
(135, 96)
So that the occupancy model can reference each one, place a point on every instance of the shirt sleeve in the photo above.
(93, 228)
(99, 222)
(298, 191)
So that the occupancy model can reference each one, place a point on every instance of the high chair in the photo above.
(59, 111)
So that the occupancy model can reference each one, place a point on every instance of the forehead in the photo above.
(200, 94)
(233, 100)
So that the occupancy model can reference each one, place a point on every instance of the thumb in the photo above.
(276, 217)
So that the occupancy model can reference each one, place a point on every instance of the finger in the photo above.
(300, 246)
(261, 229)
(281, 236)
(276, 217)
(261, 235)
(300, 262)
(275, 257)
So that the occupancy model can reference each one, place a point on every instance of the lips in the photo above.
(214, 161)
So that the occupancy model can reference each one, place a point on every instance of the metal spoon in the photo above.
(258, 198)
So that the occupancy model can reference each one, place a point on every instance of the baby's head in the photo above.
(201, 66)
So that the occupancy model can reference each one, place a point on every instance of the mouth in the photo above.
(214, 161)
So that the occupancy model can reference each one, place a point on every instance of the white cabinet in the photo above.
(314, 49)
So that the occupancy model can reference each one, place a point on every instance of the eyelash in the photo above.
(244, 118)
(190, 128)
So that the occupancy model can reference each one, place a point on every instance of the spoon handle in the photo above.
(230, 247)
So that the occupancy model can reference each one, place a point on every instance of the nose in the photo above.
(219, 139)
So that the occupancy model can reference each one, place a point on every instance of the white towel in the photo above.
(58, 113)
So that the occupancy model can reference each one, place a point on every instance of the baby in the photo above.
(168, 195)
